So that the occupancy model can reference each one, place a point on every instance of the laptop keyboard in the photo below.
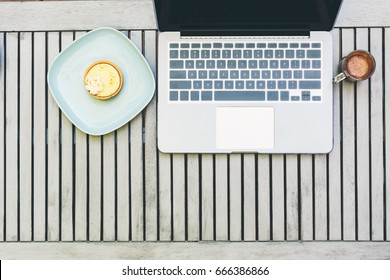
(277, 72)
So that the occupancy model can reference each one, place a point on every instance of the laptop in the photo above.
(245, 76)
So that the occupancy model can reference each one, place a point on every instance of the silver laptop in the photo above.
(245, 76)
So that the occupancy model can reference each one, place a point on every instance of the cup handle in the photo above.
(339, 78)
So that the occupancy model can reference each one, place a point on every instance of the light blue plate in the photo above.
(66, 81)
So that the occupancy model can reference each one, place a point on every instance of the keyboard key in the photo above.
(190, 64)
(310, 84)
(195, 45)
(184, 54)
(210, 64)
(207, 84)
(242, 64)
(177, 74)
(232, 64)
(300, 54)
(207, 95)
(269, 53)
(194, 95)
(266, 74)
(294, 45)
(282, 85)
(174, 54)
(216, 54)
(284, 64)
(180, 84)
(202, 74)
(228, 45)
(250, 45)
(283, 45)
(272, 96)
(173, 95)
(292, 84)
(295, 98)
(263, 64)
(279, 53)
(261, 45)
(258, 53)
(229, 84)
(200, 64)
(290, 54)
(250, 84)
(184, 45)
(313, 53)
(174, 46)
(194, 53)
(176, 64)
(184, 95)
(192, 74)
(226, 53)
(271, 84)
(244, 74)
(316, 98)
(239, 45)
(239, 84)
(316, 45)
(218, 84)
(236, 53)
(252, 64)
(305, 64)
(234, 74)
(305, 45)
(274, 64)
(221, 64)
(247, 53)
(295, 64)
(272, 45)
(284, 96)
(205, 54)
(260, 84)
(213, 74)
(305, 93)
(240, 95)
(312, 74)
(197, 85)
(217, 45)
(316, 64)
(287, 74)
(297, 74)
(276, 74)
(255, 74)
(206, 45)
(223, 74)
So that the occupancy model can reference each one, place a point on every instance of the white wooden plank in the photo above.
(221, 197)
(320, 198)
(249, 197)
(387, 129)
(334, 158)
(363, 146)
(138, 14)
(264, 193)
(76, 15)
(376, 118)
(25, 136)
(348, 145)
(193, 197)
(2, 126)
(123, 199)
(39, 136)
(95, 188)
(150, 146)
(278, 198)
(11, 138)
(137, 162)
(109, 187)
(292, 208)
(165, 195)
(53, 150)
(178, 197)
(306, 197)
(207, 197)
(235, 198)
(197, 251)
(66, 165)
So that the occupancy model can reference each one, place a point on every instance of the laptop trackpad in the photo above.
(245, 128)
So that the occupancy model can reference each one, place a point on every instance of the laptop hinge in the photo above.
(261, 32)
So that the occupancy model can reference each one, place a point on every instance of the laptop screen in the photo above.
(175, 15)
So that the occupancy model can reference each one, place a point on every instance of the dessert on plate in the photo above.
(103, 79)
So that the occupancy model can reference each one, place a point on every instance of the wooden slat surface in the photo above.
(59, 184)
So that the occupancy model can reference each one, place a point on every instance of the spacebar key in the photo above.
(239, 95)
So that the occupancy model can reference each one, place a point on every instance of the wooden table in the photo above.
(63, 192)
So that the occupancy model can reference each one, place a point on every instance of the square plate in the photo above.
(66, 81)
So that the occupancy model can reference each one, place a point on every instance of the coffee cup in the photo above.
(359, 65)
